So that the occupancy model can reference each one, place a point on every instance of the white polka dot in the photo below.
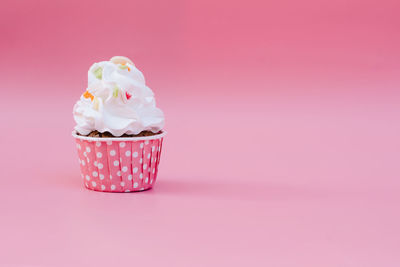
(141, 161)
(94, 183)
(130, 177)
(100, 166)
(153, 148)
(151, 181)
(122, 183)
(112, 153)
(98, 144)
(95, 174)
(110, 177)
(144, 166)
(127, 191)
(88, 149)
(135, 154)
(109, 143)
(148, 155)
(146, 180)
(95, 163)
(103, 187)
(86, 184)
(78, 146)
(141, 176)
(135, 185)
(83, 163)
(88, 160)
(85, 154)
(146, 142)
(118, 173)
(116, 163)
(154, 170)
(128, 153)
(141, 145)
(112, 187)
(135, 170)
(88, 177)
(124, 169)
(101, 177)
(99, 155)
(122, 144)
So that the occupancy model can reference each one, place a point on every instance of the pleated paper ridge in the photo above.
(119, 166)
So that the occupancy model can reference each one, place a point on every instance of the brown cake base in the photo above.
(108, 134)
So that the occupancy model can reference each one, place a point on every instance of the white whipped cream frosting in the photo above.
(117, 100)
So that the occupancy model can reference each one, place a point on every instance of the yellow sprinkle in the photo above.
(96, 103)
(115, 93)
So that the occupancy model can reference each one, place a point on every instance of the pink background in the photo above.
(283, 145)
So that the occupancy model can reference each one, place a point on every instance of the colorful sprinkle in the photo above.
(96, 103)
(98, 73)
(121, 60)
(123, 67)
(128, 95)
(86, 94)
(115, 92)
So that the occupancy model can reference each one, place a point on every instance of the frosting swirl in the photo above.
(117, 100)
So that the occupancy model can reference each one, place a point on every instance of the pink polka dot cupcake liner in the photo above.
(119, 164)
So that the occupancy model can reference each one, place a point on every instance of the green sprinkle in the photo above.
(115, 93)
(98, 73)
(122, 67)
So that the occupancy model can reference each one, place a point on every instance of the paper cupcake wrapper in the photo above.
(119, 164)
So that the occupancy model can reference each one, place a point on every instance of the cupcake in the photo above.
(119, 129)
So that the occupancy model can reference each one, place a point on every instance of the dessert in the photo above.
(119, 129)
(117, 101)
